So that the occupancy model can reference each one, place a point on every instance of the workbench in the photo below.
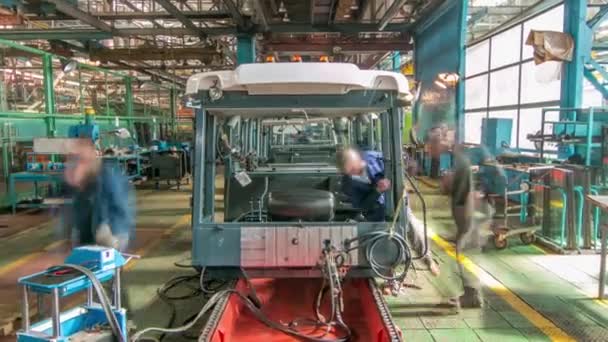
(36, 178)
(602, 203)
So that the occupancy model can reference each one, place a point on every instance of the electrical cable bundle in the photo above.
(253, 304)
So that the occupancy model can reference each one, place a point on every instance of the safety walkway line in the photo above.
(536, 318)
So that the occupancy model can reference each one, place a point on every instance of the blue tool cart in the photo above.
(85, 269)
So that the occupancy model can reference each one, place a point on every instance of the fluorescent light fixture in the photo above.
(440, 84)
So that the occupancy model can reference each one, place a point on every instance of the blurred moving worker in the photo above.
(467, 232)
(364, 182)
(102, 210)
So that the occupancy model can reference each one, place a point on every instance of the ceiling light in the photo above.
(354, 6)
(282, 8)
(286, 18)
(440, 84)
(247, 8)
(347, 15)
(68, 65)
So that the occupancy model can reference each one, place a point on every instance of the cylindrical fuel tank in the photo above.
(302, 204)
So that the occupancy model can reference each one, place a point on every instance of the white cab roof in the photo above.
(299, 79)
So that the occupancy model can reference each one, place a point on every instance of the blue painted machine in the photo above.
(496, 134)
(85, 269)
(87, 129)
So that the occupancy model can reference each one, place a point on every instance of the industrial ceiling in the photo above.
(169, 40)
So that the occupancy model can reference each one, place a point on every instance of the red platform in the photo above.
(286, 300)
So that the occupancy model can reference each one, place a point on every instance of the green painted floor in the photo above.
(562, 298)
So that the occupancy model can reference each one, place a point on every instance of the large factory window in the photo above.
(502, 91)
(540, 83)
(502, 81)
(504, 47)
(477, 58)
(473, 120)
(476, 90)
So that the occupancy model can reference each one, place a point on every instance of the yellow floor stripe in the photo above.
(537, 319)
(19, 262)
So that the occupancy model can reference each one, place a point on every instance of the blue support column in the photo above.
(245, 49)
(571, 96)
(575, 13)
(460, 87)
(396, 61)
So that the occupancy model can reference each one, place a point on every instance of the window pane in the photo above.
(477, 58)
(472, 127)
(508, 114)
(530, 119)
(591, 96)
(540, 83)
(476, 92)
(503, 87)
(552, 20)
(505, 47)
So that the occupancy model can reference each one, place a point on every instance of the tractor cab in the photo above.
(289, 232)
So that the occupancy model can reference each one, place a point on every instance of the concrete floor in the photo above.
(529, 295)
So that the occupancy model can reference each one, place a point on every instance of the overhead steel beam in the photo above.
(73, 11)
(49, 34)
(211, 15)
(235, 13)
(79, 34)
(338, 27)
(152, 54)
(169, 68)
(390, 13)
(169, 7)
(357, 46)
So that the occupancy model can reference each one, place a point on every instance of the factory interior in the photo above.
(303, 170)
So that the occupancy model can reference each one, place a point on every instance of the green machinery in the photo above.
(43, 95)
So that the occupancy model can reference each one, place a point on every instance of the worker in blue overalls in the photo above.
(102, 209)
(364, 183)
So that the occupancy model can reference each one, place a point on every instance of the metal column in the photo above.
(128, 97)
(56, 314)
(575, 15)
(173, 110)
(395, 117)
(245, 49)
(49, 93)
(209, 168)
(387, 152)
(198, 189)
(25, 310)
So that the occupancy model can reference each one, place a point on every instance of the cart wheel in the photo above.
(527, 238)
(500, 241)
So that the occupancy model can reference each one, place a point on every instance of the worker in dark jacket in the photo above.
(365, 184)
(102, 211)
(467, 231)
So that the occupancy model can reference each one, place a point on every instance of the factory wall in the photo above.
(439, 45)
(502, 81)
